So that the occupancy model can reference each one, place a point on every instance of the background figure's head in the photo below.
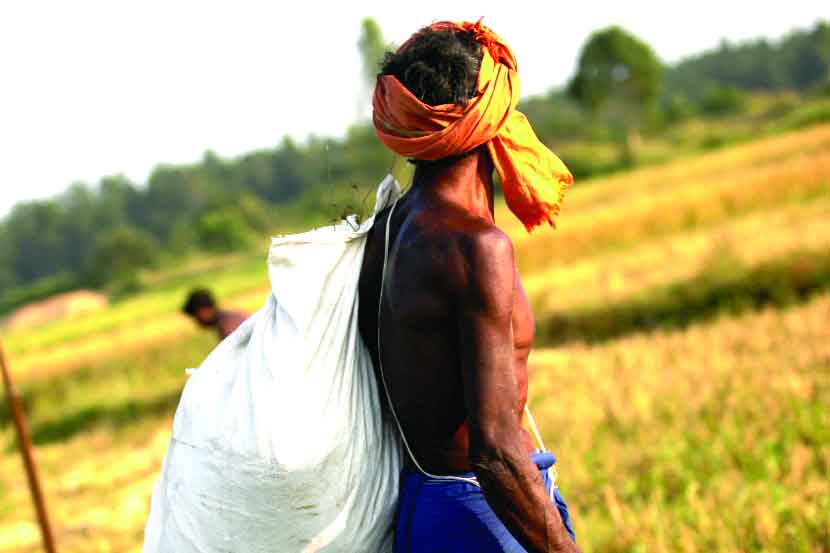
(437, 66)
(201, 306)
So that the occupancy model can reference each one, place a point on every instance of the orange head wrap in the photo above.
(532, 177)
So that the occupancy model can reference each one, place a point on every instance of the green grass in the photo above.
(812, 113)
(112, 392)
(226, 280)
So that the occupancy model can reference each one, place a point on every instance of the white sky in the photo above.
(89, 88)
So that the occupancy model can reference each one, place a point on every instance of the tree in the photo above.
(721, 100)
(289, 165)
(372, 48)
(799, 61)
(224, 230)
(35, 238)
(618, 75)
(807, 57)
(254, 214)
(7, 276)
(118, 254)
(821, 35)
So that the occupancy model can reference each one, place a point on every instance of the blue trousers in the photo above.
(450, 516)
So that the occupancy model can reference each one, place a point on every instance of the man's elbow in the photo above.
(492, 455)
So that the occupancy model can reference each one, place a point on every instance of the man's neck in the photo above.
(466, 183)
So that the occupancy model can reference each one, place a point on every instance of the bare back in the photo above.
(430, 249)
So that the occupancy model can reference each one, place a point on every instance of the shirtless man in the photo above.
(201, 306)
(456, 332)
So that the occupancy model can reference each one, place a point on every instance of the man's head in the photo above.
(452, 89)
(437, 66)
(201, 306)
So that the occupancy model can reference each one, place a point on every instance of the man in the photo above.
(456, 327)
(202, 307)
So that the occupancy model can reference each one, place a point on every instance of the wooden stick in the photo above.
(28, 458)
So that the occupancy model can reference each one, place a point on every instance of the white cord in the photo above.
(533, 427)
(532, 422)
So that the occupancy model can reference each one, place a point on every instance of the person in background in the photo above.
(201, 305)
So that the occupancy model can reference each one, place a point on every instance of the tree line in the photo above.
(799, 61)
(100, 234)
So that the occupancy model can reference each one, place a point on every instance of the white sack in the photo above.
(278, 443)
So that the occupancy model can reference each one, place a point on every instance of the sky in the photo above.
(95, 88)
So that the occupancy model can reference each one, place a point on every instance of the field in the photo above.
(682, 369)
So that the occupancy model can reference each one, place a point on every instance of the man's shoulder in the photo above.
(480, 265)
(478, 237)
(466, 246)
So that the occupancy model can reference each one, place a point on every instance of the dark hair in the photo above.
(438, 67)
(196, 299)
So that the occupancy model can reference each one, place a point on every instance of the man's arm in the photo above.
(511, 482)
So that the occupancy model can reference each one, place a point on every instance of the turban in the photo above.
(532, 177)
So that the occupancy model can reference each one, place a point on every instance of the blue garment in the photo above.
(450, 516)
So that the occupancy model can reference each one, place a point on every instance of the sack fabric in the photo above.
(278, 442)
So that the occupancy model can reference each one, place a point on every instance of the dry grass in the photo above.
(619, 274)
(99, 501)
(716, 438)
(70, 305)
(699, 170)
(626, 219)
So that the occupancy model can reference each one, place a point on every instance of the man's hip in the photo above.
(450, 516)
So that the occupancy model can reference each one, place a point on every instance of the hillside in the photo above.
(107, 235)
(682, 369)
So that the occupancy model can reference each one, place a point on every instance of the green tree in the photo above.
(722, 100)
(677, 107)
(174, 193)
(619, 76)
(372, 48)
(7, 276)
(224, 230)
(799, 61)
(36, 240)
(255, 213)
(118, 254)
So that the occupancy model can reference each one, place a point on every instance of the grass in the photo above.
(713, 438)
(111, 392)
(683, 374)
(725, 285)
(625, 218)
(710, 438)
(617, 275)
(116, 394)
(232, 278)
